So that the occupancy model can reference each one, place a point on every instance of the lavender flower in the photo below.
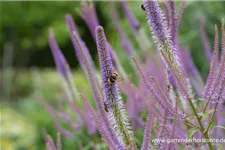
(205, 40)
(63, 68)
(156, 94)
(92, 78)
(112, 98)
(165, 46)
(61, 64)
(88, 14)
(100, 126)
(50, 144)
(72, 28)
(135, 25)
(210, 83)
(128, 47)
(180, 12)
(148, 127)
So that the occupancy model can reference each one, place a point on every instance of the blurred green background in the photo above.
(29, 66)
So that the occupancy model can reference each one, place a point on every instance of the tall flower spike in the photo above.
(180, 12)
(88, 14)
(148, 127)
(72, 28)
(49, 143)
(173, 25)
(101, 129)
(63, 67)
(58, 142)
(128, 46)
(156, 93)
(155, 19)
(210, 83)
(112, 98)
(218, 92)
(93, 82)
(61, 64)
(165, 46)
(174, 126)
(130, 16)
(205, 40)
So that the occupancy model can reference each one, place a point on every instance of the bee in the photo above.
(112, 78)
(143, 7)
(106, 107)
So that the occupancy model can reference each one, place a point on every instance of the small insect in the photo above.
(143, 7)
(106, 107)
(112, 78)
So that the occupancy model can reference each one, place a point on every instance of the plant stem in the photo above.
(202, 129)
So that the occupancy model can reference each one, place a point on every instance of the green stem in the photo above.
(202, 129)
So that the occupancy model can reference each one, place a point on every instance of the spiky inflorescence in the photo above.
(148, 128)
(205, 41)
(173, 24)
(128, 46)
(130, 16)
(180, 12)
(101, 128)
(63, 68)
(210, 83)
(88, 14)
(156, 93)
(165, 46)
(93, 82)
(72, 28)
(61, 64)
(112, 98)
(218, 94)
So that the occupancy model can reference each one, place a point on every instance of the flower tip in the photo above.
(151, 77)
(51, 33)
(99, 29)
(68, 16)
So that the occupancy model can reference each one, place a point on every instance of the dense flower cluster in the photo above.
(167, 94)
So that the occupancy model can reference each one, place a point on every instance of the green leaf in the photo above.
(207, 112)
(211, 125)
(191, 132)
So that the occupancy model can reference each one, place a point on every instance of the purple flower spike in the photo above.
(72, 28)
(155, 19)
(210, 83)
(50, 144)
(173, 25)
(180, 12)
(94, 85)
(100, 126)
(148, 128)
(63, 68)
(116, 112)
(61, 64)
(130, 16)
(128, 47)
(205, 40)
(88, 14)
(105, 64)
(156, 93)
